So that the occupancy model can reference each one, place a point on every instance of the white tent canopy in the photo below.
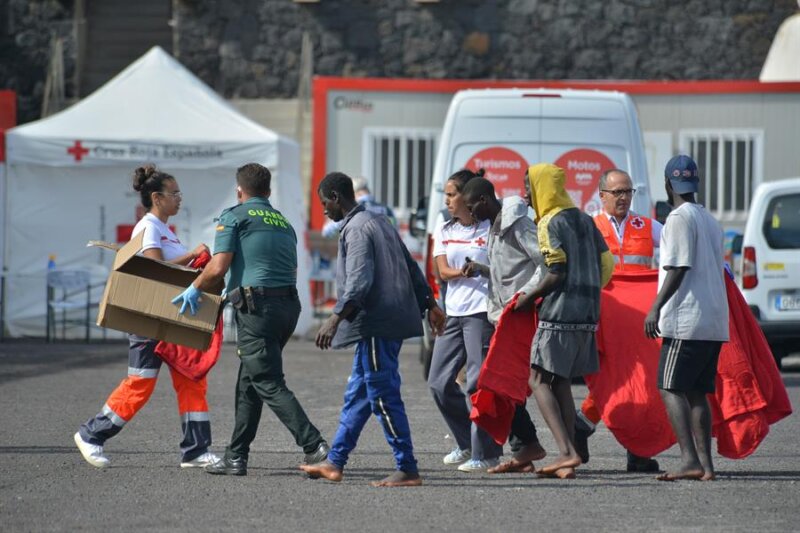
(69, 176)
(783, 59)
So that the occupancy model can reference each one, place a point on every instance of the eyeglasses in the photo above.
(619, 193)
(176, 194)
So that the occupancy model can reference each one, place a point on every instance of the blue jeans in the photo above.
(374, 387)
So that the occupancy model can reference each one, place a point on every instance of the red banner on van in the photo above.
(583, 168)
(505, 168)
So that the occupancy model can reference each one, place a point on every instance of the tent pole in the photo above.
(3, 270)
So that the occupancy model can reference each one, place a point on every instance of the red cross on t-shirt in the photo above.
(479, 241)
(78, 151)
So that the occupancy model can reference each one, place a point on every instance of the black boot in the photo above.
(318, 455)
(642, 464)
(227, 466)
(582, 433)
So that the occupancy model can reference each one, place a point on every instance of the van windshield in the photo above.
(782, 222)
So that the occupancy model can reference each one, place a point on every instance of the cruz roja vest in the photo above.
(636, 251)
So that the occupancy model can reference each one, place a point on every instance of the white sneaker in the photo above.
(475, 465)
(91, 452)
(200, 461)
(457, 456)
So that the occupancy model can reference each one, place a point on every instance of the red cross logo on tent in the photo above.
(78, 151)
(479, 241)
(637, 223)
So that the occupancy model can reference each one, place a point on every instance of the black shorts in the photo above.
(688, 365)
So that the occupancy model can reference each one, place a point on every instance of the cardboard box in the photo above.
(138, 294)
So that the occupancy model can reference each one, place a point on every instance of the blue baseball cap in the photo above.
(681, 171)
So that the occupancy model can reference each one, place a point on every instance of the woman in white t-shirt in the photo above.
(161, 197)
(465, 340)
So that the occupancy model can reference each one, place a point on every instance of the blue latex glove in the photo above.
(188, 297)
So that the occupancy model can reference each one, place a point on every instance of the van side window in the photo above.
(782, 222)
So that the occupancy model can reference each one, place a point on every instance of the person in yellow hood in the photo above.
(578, 264)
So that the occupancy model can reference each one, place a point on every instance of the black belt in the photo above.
(244, 298)
(272, 291)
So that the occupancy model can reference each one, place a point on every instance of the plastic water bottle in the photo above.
(51, 262)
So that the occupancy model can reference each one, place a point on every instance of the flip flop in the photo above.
(555, 467)
(512, 466)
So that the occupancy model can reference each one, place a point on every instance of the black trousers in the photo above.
(523, 431)
(262, 334)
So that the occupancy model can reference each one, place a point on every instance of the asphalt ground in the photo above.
(46, 391)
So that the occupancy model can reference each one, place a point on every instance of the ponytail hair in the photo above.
(461, 177)
(147, 180)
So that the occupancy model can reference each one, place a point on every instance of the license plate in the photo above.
(787, 302)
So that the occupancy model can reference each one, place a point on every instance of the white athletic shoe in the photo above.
(457, 456)
(91, 452)
(474, 465)
(200, 461)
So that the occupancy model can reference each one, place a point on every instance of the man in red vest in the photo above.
(632, 240)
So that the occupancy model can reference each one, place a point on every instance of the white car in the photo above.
(770, 263)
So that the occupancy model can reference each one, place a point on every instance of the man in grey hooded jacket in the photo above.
(514, 261)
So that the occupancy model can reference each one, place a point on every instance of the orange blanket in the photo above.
(750, 394)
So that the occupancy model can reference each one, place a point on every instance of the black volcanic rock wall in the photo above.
(251, 48)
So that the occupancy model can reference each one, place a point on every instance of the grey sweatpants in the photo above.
(465, 341)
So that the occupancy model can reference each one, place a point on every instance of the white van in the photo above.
(770, 263)
(506, 130)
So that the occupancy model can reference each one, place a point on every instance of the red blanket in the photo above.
(624, 389)
(192, 363)
(503, 381)
(750, 392)
(749, 396)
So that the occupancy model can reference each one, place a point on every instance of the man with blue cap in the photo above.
(690, 314)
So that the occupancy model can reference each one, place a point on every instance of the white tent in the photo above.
(783, 59)
(69, 176)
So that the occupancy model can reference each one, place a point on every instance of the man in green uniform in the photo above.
(259, 246)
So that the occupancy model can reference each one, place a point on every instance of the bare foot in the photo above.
(324, 469)
(563, 461)
(561, 473)
(565, 473)
(693, 474)
(399, 479)
(512, 466)
(708, 476)
(530, 452)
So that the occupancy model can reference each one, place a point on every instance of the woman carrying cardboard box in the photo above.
(161, 197)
